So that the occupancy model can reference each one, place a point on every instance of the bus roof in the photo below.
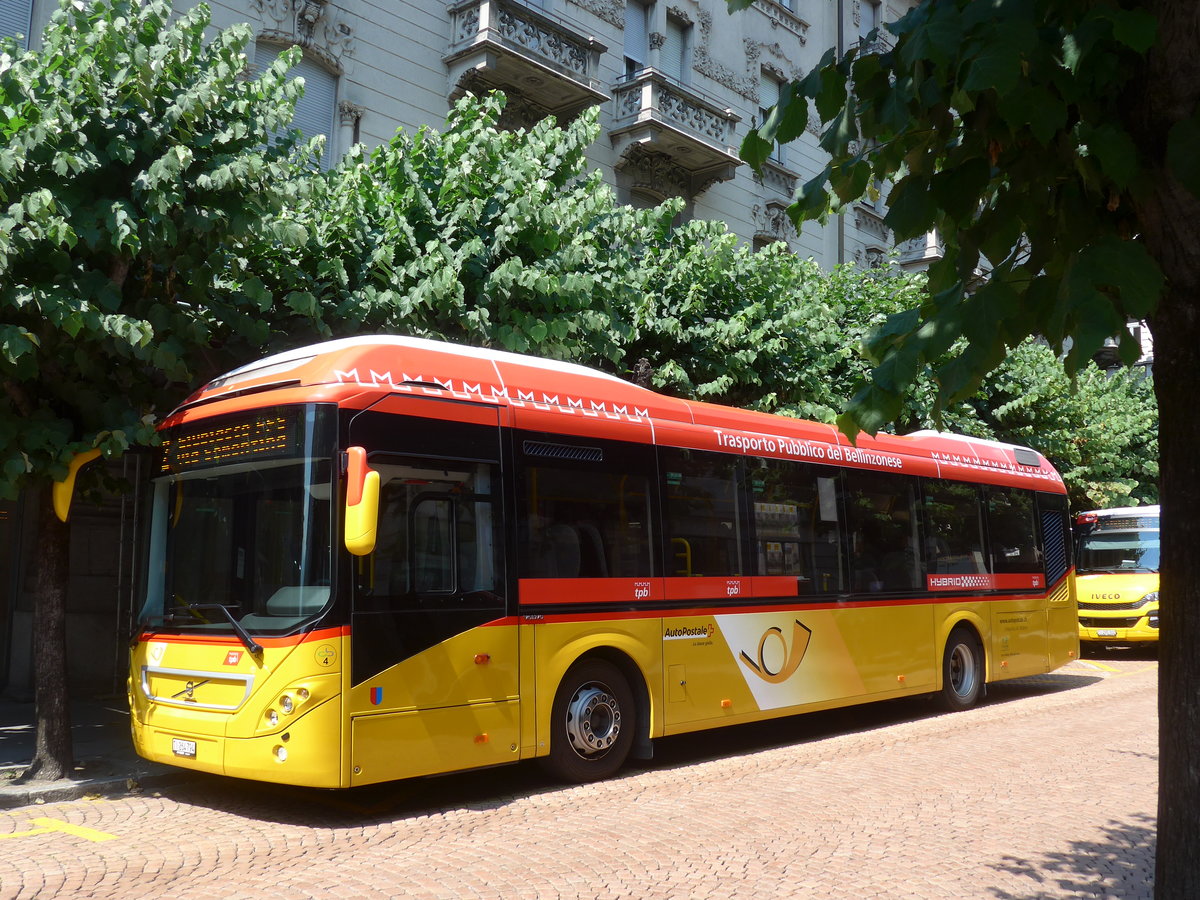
(1146, 511)
(388, 363)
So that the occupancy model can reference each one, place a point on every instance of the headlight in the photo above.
(272, 718)
(1151, 597)
(286, 703)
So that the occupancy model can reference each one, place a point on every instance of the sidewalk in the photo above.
(105, 762)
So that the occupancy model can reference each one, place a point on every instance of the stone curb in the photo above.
(14, 796)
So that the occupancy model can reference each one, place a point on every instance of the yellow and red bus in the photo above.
(382, 557)
(1117, 575)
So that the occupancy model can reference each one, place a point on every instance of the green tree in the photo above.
(1099, 430)
(763, 330)
(1054, 142)
(473, 234)
(134, 156)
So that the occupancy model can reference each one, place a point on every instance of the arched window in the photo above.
(315, 110)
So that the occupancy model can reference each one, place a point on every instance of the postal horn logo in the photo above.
(793, 653)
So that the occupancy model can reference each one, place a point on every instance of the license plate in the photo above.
(183, 748)
(1100, 632)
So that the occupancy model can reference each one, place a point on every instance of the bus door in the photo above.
(434, 657)
(1016, 561)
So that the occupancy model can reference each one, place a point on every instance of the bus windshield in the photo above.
(1119, 551)
(244, 545)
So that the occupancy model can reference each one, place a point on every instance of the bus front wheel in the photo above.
(592, 723)
(962, 670)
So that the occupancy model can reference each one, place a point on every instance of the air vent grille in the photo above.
(564, 451)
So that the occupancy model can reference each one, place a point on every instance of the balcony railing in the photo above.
(655, 113)
(504, 44)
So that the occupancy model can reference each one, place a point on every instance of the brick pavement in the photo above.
(1049, 790)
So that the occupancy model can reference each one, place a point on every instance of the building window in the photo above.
(637, 37)
(769, 91)
(677, 49)
(16, 19)
(868, 18)
(315, 110)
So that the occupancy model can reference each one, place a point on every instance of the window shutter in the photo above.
(15, 18)
(314, 111)
(637, 39)
(674, 49)
(769, 90)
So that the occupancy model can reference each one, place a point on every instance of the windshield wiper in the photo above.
(252, 645)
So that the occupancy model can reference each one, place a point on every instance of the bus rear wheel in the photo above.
(962, 670)
(591, 724)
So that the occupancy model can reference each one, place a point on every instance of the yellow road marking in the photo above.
(1096, 665)
(1138, 671)
(49, 826)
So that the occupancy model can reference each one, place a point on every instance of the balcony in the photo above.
(654, 114)
(543, 59)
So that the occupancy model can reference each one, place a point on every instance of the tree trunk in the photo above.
(1177, 383)
(1169, 216)
(53, 756)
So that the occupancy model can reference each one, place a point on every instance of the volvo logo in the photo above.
(189, 690)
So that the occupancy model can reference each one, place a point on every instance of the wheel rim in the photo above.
(962, 670)
(593, 720)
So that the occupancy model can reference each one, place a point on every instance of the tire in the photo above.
(962, 670)
(592, 723)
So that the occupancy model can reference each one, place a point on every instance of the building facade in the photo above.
(678, 84)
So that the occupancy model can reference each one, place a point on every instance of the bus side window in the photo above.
(702, 513)
(436, 534)
(884, 532)
(797, 528)
(1012, 530)
(954, 528)
(583, 512)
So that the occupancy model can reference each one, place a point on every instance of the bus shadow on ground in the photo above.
(495, 788)
(1120, 865)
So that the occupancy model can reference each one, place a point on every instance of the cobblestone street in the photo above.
(1046, 790)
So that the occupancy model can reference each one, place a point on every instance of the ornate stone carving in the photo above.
(774, 71)
(746, 85)
(313, 24)
(350, 113)
(657, 40)
(682, 111)
(656, 173)
(466, 24)
(540, 38)
(778, 179)
(783, 18)
(680, 14)
(557, 46)
(308, 14)
(520, 112)
(772, 222)
(611, 11)
(814, 121)
(870, 222)
(674, 104)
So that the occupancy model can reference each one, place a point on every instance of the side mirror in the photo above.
(362, 503)
(63, 491)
